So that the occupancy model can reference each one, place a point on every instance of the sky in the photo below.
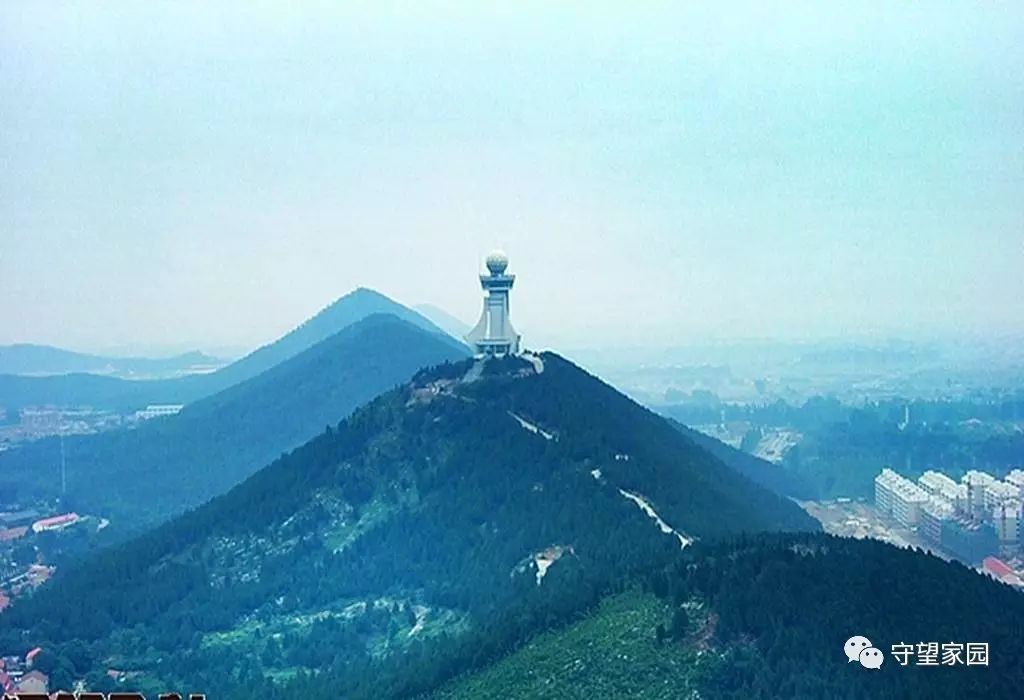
(177, 175)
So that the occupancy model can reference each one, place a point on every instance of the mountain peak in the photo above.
(362, 292)
(481, 488)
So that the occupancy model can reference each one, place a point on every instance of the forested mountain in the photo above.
(140, 476)
(431, 531)
(768, 617)
(350, 308)
(25, 358)
(124, 395)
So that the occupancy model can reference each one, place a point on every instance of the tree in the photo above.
(271, 654)
(680, 623)
(79, 655)
(24, 554)
(61, 678)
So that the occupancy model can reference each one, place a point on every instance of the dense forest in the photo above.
(767, 616)
(414, 526)
(169, 464)
(784, 605)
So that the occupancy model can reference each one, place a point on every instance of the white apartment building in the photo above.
(977, 485)
(1006, 518)
(942, 487)
(899, 498)
(933, 514)
(1016, 478)
(1000, 493)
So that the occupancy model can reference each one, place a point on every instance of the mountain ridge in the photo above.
(449, 323)
(34, 359)
(233, 432)
(500, 493)
(85, 389)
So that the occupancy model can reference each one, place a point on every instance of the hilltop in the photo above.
(77, 389)
(437, 526)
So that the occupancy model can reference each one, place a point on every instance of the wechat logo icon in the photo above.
(859, 649)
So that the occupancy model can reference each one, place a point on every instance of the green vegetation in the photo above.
(441, 495)
(393, 556)
(843, 458)
(843, 447)
(767, 617)
(785, 605)
(612, 653)
(141, 476)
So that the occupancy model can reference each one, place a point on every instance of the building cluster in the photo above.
(35, 422)
(17, 529)
(17, 677)
(16, 524)
(972, 519)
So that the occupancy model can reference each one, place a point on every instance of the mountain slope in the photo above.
(43, 359)
(612, 653)
(772, 476)
(121, 394)
(768, 617)
(347, 310)
(477, 504)
(451, 325)
(137, 477)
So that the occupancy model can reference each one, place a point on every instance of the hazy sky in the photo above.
(175, 174)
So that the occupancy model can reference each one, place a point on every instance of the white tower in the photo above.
(494, 334)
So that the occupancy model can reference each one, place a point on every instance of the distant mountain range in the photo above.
(120, 394)
(27, 359)
(456, 514)
(444, 320)
(139, 476)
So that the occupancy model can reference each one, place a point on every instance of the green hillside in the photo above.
(768, 617)
(141, 476)
(430, 532)
(611, 653)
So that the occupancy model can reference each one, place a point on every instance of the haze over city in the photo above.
(187, 176)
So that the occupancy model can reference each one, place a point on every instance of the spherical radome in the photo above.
(497, 261)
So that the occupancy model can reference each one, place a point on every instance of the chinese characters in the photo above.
(947, 654)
